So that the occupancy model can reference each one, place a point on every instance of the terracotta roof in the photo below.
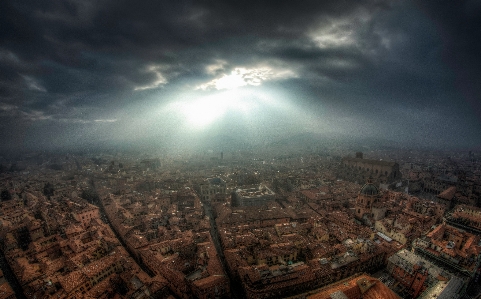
(210, 281)
(448, 194)
(380, 291)
(96, 267)
(350, 287)
(72, 280)
(309, 194)
(6, 291)
(437, 232)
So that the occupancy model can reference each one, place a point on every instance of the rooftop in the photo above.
(355, 287)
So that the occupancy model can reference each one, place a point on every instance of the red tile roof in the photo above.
(351, 288)
(448, 194)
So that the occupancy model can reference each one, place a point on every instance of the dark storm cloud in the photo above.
(103, 46)
(459, 24)
(80, 62)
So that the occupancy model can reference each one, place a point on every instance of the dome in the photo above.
(369, 189)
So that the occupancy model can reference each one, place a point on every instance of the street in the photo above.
(236, 287)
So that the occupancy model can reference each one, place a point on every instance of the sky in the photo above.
(180, 74)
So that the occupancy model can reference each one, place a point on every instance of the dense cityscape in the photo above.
(241, 225)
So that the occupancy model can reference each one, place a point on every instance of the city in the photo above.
(253, 149)
(241, 225)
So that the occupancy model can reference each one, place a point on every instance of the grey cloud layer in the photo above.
(80, 61)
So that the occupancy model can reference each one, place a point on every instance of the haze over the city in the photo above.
(185, 74)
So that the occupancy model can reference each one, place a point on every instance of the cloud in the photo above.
(75, 46)
(7, 107)
(336, 34)
(105, 120)
(215, 68)
(458, 25)
(159, 79)
(33, 84)
(241, 76)
(92, 62)
(35, 115)
(8, 57)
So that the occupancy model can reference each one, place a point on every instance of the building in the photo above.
(397, 228)
(355, 287)
(6, 291)
(466, 217)
(278, 280)
(210, 187)
(191, 267)
(85, 213)
(250, 217)
(424, 209)
(416, 277)
(359, 169)
(447, 197)
(438, 184)
(253, 196)
(369, 206)
(455, 249)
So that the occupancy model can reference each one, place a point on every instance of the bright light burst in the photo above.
(231, 81)
(251, 111)
(236, 98)
(202, 111)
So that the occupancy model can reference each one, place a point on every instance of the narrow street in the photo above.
(105, 219)
(236, 287)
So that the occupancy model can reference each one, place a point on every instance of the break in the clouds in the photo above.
(242, 76)
(118, 71)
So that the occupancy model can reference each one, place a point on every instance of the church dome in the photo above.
(369, 188)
